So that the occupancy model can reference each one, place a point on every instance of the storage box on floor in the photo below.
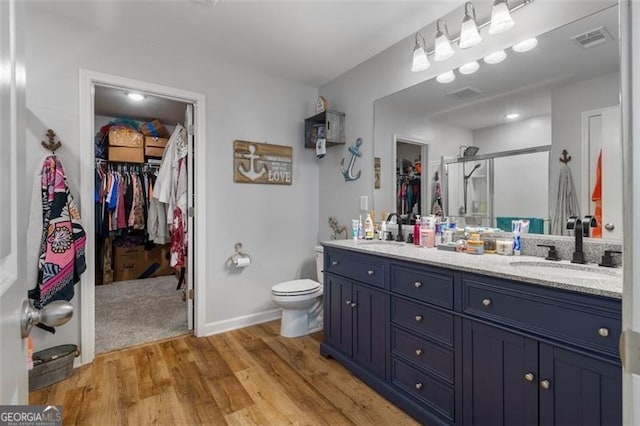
(126, 145)
(131, 263)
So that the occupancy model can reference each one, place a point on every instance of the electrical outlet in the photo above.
(364, 203)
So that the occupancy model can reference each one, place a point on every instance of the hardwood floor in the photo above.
(251, 376)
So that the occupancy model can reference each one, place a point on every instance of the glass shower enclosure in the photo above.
(491, 189)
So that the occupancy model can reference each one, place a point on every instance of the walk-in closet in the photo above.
(143, 178)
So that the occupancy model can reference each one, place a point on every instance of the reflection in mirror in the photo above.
(564, 94)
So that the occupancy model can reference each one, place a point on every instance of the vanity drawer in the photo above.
(424, 320)
(430, 391)
(364, 268)
(428, 286)
(547, 312)
(428, 355)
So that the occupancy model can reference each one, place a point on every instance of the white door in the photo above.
(188, 123)
(601, 131)
(13, 359)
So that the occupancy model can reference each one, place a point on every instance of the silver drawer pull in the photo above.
(544, 384)
(418, 318)
(529, 377)
(417, 284)
(418, 352)
(604, 331)
(348, 302)
(486, 302)
(334, 263)
(370, 272)
(418, 386)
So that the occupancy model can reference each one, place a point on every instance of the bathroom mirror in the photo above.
(566, 94)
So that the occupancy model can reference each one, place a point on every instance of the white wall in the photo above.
(521, 185)
(278, 225)
(567, 105)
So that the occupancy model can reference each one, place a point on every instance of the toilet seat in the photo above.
(296, 288)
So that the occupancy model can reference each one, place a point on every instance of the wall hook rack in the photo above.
(51, 144)
(565, 157)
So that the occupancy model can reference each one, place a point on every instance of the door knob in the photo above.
(348, 302)
(418, 318)
(418, 352)
(544, 384)
(604, 332)
(334, 263)
(609, 226)
(417, 284)
(353, 305)
(529, 377)
(486, 302)
(54, 314)
(418, 386)
(370, 272)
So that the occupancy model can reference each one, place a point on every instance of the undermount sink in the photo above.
(574, 271)
(380, 243)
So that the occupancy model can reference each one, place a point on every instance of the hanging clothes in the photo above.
(596, 197)
(61, 254)
(566, 202)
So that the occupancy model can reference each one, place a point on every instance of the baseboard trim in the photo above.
(241, 322)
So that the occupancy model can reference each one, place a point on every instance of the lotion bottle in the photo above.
(368, 228)
(416, 231)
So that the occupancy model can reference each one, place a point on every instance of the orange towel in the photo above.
(596, 196)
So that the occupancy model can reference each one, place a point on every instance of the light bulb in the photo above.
(443, 46)
(495, 57)
(526, 45)
(501, 19)
(512, 116)
(469, 35)
(135, 96)
(469, 68)
(420, 60)
(446, 77)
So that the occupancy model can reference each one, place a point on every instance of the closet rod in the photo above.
(101, 161)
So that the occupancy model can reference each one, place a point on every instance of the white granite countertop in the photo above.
(589, 278)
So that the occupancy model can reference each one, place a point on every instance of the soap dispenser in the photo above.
(416, 231)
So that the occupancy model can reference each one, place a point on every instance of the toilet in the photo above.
(301, 302)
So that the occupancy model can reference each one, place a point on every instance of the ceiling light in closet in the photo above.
(135, 96)
(420, 60)
(495, 57)
(525, 45)
(446, 77)
(501, 19)
(512, 116)
(443, 45)
(469, 34)
(469, 68)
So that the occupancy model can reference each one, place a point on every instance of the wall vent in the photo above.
(592, 37)
(464, 93)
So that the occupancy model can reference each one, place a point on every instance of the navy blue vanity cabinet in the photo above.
(538, 355)
(425, 340)
(356, 310)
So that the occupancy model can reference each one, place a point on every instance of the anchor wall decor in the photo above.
(255, 162)
(355, 153)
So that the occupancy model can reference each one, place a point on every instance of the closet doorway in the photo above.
(411, 157)
(141, 286)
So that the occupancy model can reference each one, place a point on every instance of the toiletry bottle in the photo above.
(383, 230)
(431, 235)
(360, 228)
(354, 229)
(368, 228)
(416, 231)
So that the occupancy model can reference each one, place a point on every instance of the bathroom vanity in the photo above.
(453, 338)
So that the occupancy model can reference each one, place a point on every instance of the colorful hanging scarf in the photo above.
(62, 246)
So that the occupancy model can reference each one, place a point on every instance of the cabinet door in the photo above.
(334, 127)
(338, 330)
(500, 384)
(370, 316)
(578, 389)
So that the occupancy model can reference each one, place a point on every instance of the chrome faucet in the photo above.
(576, 224)
(399, 237)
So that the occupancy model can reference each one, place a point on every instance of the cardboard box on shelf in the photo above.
(126, 154)
(153, 141)
(126, 137)
(153, 151)
(131, 263)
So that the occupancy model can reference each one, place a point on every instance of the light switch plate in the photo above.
(364, 203)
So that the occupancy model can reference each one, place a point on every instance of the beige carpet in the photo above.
(132, 312)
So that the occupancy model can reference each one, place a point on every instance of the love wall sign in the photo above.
(255, 162)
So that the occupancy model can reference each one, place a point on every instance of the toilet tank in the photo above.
(319, 253)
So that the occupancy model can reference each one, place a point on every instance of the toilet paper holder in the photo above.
(239, 259)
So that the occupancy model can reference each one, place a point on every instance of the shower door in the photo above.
(468, 196)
